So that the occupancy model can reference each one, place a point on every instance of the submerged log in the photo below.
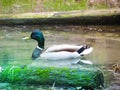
(63, 76)
(76, 20)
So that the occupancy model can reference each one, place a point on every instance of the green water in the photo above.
(11, 49)
(15, 51)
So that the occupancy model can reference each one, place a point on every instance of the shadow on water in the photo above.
(104, 39)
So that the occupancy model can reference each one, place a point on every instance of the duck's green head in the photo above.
(39, 37)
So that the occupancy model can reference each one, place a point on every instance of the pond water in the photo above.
(104, 39)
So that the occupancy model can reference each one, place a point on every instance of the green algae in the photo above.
(49, 75)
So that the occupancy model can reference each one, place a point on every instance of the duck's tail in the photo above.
(0, 69)
(86, 49)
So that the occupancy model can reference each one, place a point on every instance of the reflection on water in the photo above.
(104, 39)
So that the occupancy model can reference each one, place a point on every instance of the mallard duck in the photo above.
(56, 52)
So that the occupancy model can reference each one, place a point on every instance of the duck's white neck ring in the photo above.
(39, 48)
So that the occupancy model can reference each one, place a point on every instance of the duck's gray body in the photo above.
(57, 52)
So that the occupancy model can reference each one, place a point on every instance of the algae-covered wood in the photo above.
(85, 77)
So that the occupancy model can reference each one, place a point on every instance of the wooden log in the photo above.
(64, 76)
(76, 20)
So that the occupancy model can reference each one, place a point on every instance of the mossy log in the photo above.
(63, 76)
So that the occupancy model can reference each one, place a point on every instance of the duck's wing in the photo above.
(62, 55)
(63, 47)
(56, 53)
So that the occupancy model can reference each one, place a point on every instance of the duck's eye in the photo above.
(33, 36)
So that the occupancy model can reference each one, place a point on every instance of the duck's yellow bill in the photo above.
(26, 38)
